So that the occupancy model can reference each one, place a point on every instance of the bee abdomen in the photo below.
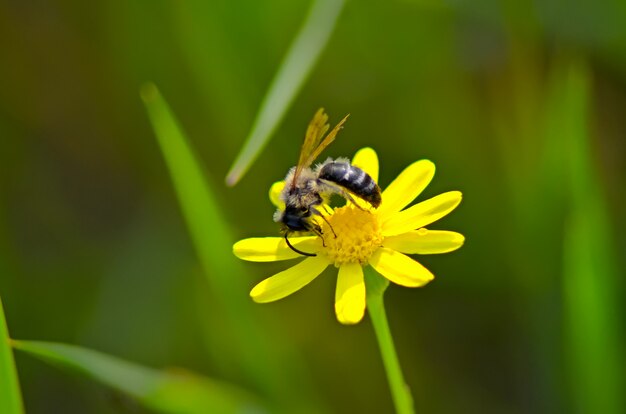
(353, 179)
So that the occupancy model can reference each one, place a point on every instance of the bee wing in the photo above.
(314, 133)
(326, 142)
(314, 141)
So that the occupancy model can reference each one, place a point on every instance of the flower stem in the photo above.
(400, 392)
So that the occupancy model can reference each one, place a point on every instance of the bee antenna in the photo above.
(296, 250)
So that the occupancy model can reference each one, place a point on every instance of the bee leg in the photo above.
(351, 199)
(329, 225)
(296, 250)
(315, 211)
(337, 189)
(317, 230)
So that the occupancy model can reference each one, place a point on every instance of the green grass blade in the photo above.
(294, 70)
(590, 280)
(10, 395)
(245, 344)
(209, 233)
(170, 391)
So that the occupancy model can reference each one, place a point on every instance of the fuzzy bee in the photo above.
(306, 189)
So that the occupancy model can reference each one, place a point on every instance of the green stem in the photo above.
(400, 391)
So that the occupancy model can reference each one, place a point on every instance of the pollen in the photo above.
(357, 233)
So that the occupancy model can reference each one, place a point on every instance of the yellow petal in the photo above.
(275, 191)
(288, 281)
(424, 241)
(271, 249)
(400, 269)
(406, 187)
(350, 294)
(367, 160)
(421, 214)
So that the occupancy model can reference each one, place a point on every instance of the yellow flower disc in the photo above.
(357, 233)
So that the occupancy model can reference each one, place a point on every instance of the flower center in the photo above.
(358, 235)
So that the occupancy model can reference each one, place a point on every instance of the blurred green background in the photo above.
(521, 105)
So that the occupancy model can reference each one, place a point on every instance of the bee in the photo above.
(307, 189)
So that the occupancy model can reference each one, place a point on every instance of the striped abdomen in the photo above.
(353, 179)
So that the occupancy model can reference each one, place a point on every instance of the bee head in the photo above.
(296, 218)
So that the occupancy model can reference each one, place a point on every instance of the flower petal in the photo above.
(275, 191)
(400, 269)
(367, 160)
(350, 294)
(288, 281)
(424, 241)
(421, 214)
(272, 249)
(407, 186)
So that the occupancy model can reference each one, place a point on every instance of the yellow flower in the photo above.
(381, 238)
